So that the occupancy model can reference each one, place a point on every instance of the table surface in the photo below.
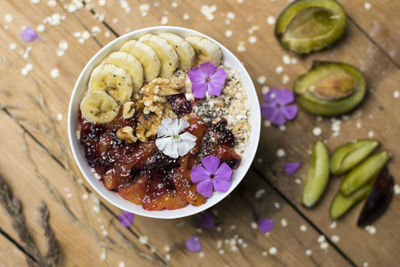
(37, 80)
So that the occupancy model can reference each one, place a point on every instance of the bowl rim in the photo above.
(255, 129)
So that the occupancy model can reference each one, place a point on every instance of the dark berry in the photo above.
(224, 135)
(180, 105)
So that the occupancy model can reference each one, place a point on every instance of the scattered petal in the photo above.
(265, 225)
(126, 218)
(276, 108)
(28, 34)
(193, 244)
(291, 167)
(207, 220)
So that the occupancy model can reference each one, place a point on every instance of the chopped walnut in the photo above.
(147, 126)
(128, 110)
(164, 86)
(126, 134)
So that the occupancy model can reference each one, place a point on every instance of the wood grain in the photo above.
(10, 255)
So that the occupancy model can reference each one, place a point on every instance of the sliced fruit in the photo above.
(378, 199)
(364, 173)
(205, 49)
(310, 25)
(146, 56)
(349, 155)
(317, 175)
(330, 88)
(185, 51)
(165, 52)
(113, 80)
(341, 204)
(99, 107)
(129, 63)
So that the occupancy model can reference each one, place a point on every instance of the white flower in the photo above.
(171, 142)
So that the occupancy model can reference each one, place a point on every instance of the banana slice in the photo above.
(146, 55)
(166, 53)
(205, 49)
(99, 107)
(115, 81)
(129, 63)
(185, 51)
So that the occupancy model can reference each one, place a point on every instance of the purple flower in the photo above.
(207, 220)
(193, 244)
(126, 218)
(276, 107)
(28, 34)
(207, 76)
(265, 225)
(210, 174)
(291, 167)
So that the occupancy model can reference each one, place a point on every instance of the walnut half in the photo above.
(126, 134)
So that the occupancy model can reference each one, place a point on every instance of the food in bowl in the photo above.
(164, 121)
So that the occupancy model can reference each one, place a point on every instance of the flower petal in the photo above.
(221, 185)
(290, 111)
(165, 128)
(186, 136)
(184, 147)
(205, 188)
(193, 244)
(162, 142)
(197, 76)
(210, 163)
(273, 114)
(217, 81)
(199, 90)
(291, 167)
(271, 95)
(182, 125)
(265, 225)
(224, 172)
(199, 174)
(28, 34)
(207, 220)
(126, 218)
(268, 110)
(284, 96)
(171, 149)
(208, 68)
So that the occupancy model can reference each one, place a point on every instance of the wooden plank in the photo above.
(10, 255)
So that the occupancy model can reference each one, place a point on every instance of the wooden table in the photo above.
(37, 80)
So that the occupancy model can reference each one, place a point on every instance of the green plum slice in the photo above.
(310, 25)
(330, 88)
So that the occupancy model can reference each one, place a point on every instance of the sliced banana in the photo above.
(185, 51)
(146, 55)
(205, 49)
(99, 107)
(129, 63)
(166, 53)
(115, 81)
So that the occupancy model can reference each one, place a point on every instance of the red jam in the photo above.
(142, 174)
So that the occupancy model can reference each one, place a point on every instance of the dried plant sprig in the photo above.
(53, 249)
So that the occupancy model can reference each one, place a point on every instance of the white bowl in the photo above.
(113, 197)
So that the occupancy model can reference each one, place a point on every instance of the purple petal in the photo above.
(199, 90)
(208, 68)
(221, 185)
(274, 114)
(207, 220)
(218, 77)
(291, 167)
(193, 244)
(211, 163)
(28, 34)
(214, 89)
(265, 225)
(126, 218)
(271, 96)
(197, 76)
(205, 188)
(284, 96)
(290, 111)
(268, 110)
(199, 174)
(224, 172)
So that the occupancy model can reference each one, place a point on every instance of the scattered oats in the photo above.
(254, 225)
(186, 16)
(333, 225)
(240, 1)
(174, 4)
(285, 79)
(277, 205)
(107, 34)
(273, 250)
(264, 89)
(167, 248)
(396, 94)
(144, 8)
(319, 118)
(85, 35)
(103, 254)
(124, 4)
(324, 245)
(96, 209)
(259, 193)
(96, 30)
(371, 134)
(105, 233)
(294, 60)
(230, 15)
(199, 230)
(244, 245)
(9, 18)
(308, 252)
(221, 252)
(35, 1)
(280, 153)
(25, 70)
(317, 131)
(219, 229)
(358, 124)
(286, 59)
(121, 264)
(396, 189)
(371, 229)
(208, 11)
(282, 128)
(85, 196)
(365, 264)
(77, 34)
(164, 20)
(69, 195)
(143, 239)
(241, 47)
(321, 238)
(271, 20)
(12, 46)
(367, 6)
(63, 45)
(261, 79)
(52, 3)
(279, 70)
(303, 228)
(252, 39)
(55, 73)
(267, 123)
(168, 257)
(297, 180)
(40, 28)
(26, 52)
(228, 33)
(227, 22)
(102, 2)
(284, 222)
(264, 253)
(201, 254)
(335, 238)
(253, 29)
